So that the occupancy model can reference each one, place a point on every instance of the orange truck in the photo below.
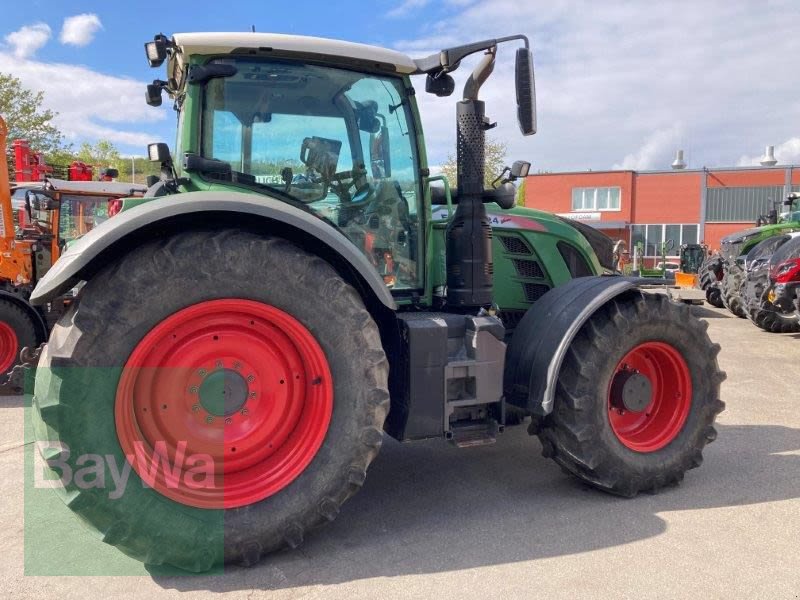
(37, 221)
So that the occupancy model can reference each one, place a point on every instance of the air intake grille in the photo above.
(528, 268)
(534, 291)
(514, 245)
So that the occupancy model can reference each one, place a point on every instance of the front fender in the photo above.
(81, 257)
(541, 339)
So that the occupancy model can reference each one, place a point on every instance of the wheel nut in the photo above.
(251, 378)
(244, 412)
(202, 372)
(209, 419)
(195, 407)
(228, 420)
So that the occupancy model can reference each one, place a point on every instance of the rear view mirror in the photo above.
(526, 91)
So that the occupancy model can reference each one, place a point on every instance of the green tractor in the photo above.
(287, 294)
(722, 275)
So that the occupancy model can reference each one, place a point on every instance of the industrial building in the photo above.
(682, 205)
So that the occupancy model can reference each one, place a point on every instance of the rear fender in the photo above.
(104, 243)
(541, 339)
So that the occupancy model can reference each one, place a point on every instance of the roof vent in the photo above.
(678, 163)
(769, 160)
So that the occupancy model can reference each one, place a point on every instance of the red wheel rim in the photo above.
(224, 403)
(8, 347)
(670, 398)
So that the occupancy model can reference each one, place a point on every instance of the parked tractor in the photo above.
(282, 299)
(722, 275)
(37, 221)
(773, 268)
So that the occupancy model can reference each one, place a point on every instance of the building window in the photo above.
(652, 236)
(596, 198)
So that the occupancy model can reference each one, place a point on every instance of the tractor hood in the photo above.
(741, 236)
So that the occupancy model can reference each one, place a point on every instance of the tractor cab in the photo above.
(339, 142)
(336, 133)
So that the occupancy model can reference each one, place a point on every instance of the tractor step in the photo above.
(474, 434)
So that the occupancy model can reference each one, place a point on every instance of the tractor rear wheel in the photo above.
(760, 310)
(636, 397)
(17, 331)
(244, 366)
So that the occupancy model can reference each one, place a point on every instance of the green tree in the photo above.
(136, 169)
(521, 193)
(26, 119)
(102, 154)
(495, 161)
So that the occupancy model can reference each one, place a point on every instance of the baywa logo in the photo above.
(193, 471)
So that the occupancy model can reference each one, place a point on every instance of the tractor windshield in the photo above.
(339, 141)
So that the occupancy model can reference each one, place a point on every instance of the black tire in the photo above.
(731, 290)
(578, 434)
(714, 295)
(711, 272)
(761, 311)
(79, 371)
(21, 323)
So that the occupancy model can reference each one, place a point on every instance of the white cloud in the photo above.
(404, 8)
(657, 151)
(91, 105)
(26, 40)
(610, 76)
(786, 153)
(79, 30)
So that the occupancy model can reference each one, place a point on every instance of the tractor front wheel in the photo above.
(711, 272)
(732, 290)
(17, 331)
(636, 397)
(240, 378)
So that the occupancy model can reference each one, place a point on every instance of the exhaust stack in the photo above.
(769, 160)
(679, 163)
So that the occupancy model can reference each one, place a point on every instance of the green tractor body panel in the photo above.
(533, 251)
(741, 242)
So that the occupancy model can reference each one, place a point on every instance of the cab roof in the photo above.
(227, 42)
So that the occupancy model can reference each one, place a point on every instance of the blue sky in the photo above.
(620, 84)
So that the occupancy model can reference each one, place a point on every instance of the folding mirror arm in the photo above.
(449, 59)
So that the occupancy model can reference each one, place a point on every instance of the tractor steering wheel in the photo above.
(342, 181)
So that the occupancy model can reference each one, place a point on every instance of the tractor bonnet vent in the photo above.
(528, 268)
(514, 245)
(534, 291)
